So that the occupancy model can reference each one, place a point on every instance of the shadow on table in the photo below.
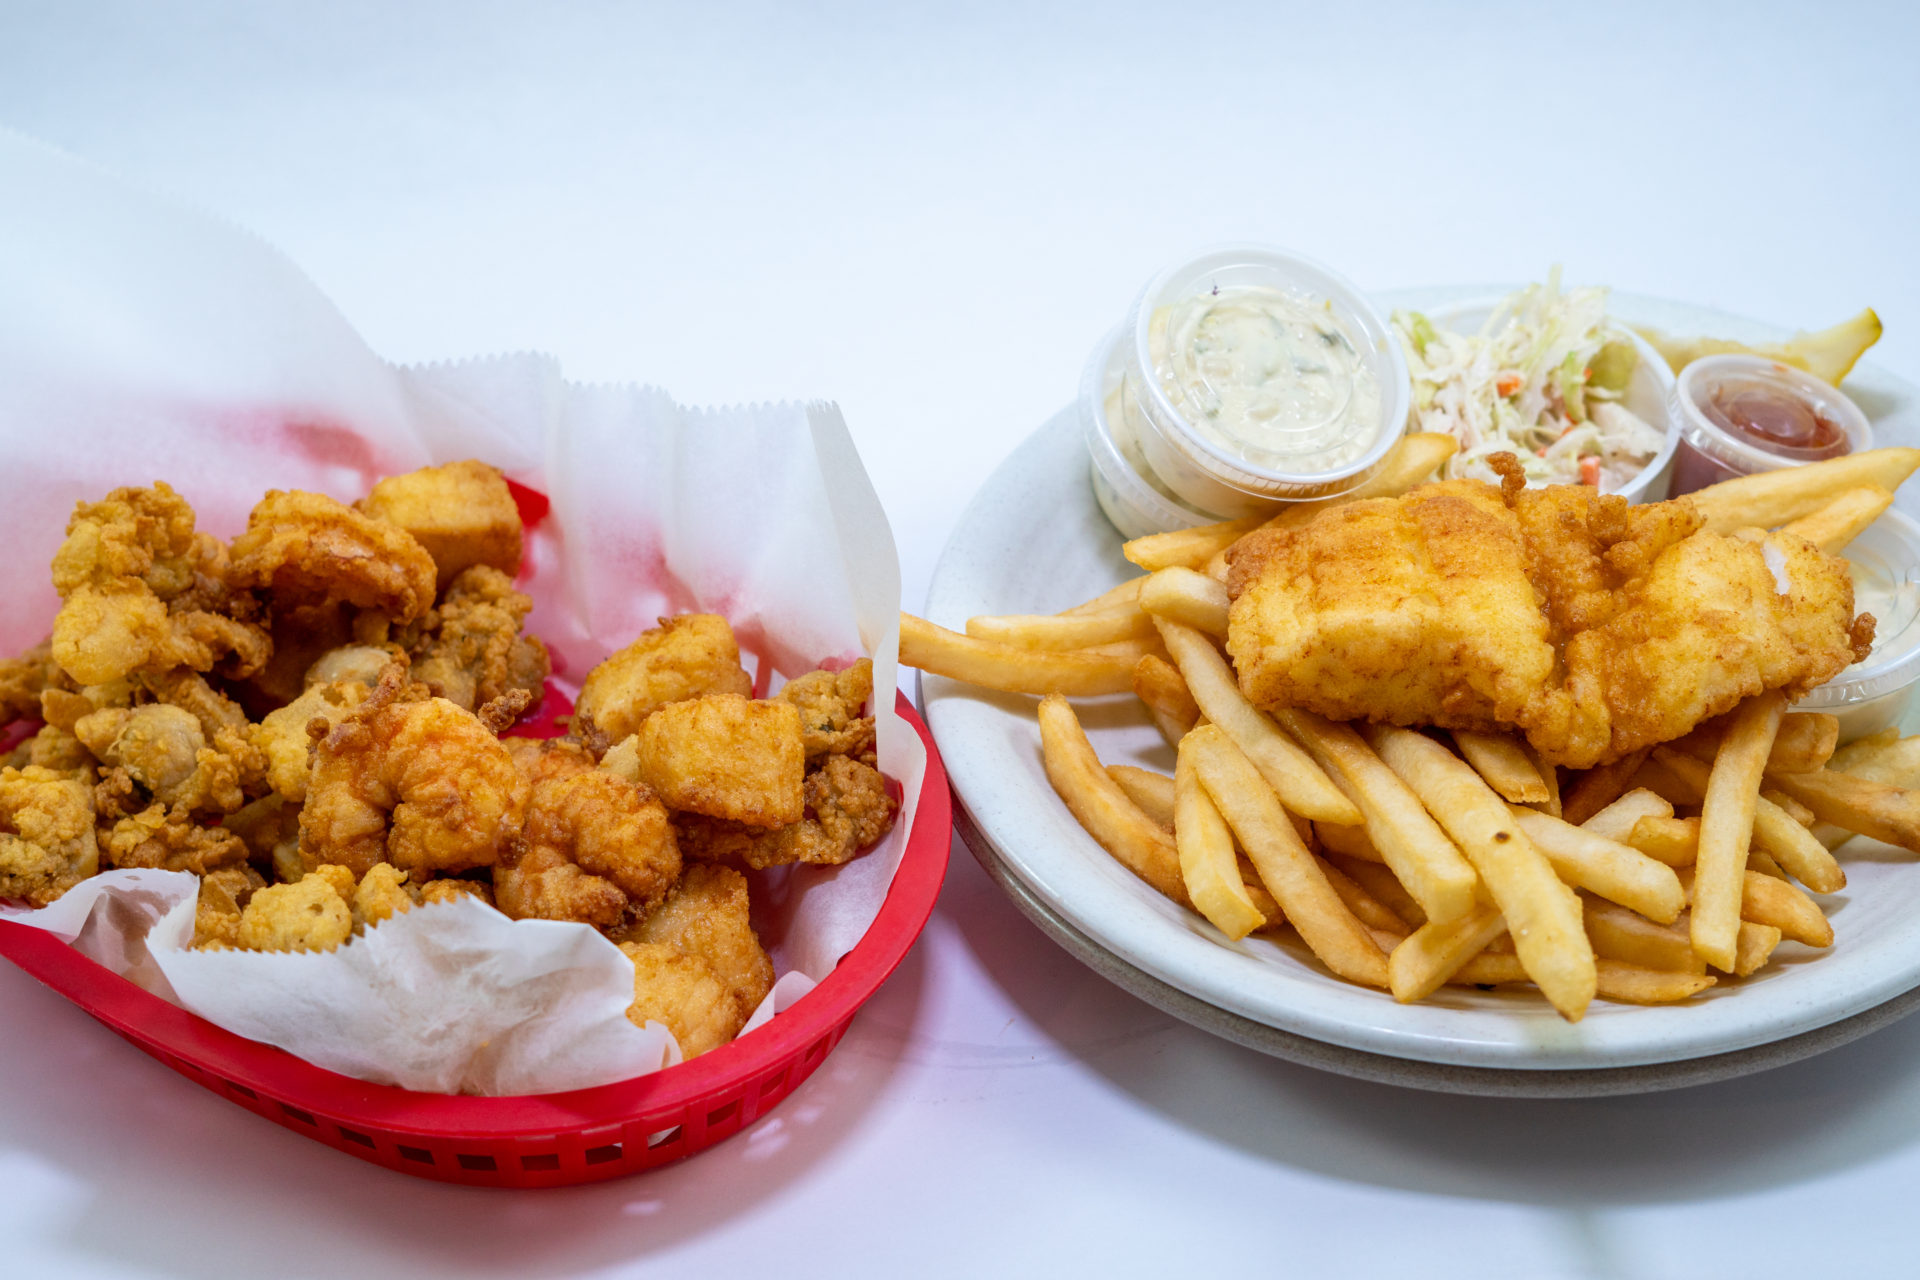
(1843, 1108)
(180, 1182)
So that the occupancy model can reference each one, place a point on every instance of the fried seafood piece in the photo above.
(413, 780)
(450, 890)
(270, 828)
(470, 648)
(831, 705)
(170, 840)
(309, 915)
(848, 809)
(462, 513)
(685, 657)
(308, 549)
(141, 591)
(56, 749)
(726, 756)
(699, 970)
(593, 847)
(381, 895)
(163, 749)
(360, 663)
(62, 705)
(224, 894)
(1595, 627)
(282, 740)
(47, 842)
(23, 679)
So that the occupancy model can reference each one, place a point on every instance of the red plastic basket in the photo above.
(544, 1140)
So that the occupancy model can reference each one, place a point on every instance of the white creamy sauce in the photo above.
(1890, 594)
(1268, 376)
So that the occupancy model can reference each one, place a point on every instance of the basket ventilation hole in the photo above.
(603, 1155)
(775, 1085)
(721, 1115)
(420, 1155)
(480, 1164)
(816, 1051)
(295, 1113)
(663, 1137)
(242, 1090)
(540, 1164)
(354, 1135)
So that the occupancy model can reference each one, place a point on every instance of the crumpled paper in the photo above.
(140, 340)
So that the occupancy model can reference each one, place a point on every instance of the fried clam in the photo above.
(470, 649)
(833, 704)
(23, 679)
(141, 591)
(685, 657)
(170, 840)
(409, 779)
(47, 842)
(698, 968)
(164, 749)
(313, 913)
(282, 740)
(53, 748)
(848, 809)
(594, 847)
(224, 894)
(310, 550)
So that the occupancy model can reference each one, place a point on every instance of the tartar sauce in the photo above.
(1268, 376)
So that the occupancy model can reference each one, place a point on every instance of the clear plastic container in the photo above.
(1870, 695)
(1161, 472)
(1709, 453)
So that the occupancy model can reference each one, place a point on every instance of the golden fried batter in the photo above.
(224, 894)
(310, 915)
(448, 890)
(471, 650)
(832, 706)
(380, 895)
(141, 592)
(726, 756)
(585, 831)
(462, 513)
(47, 842)
(1595, 627)
(281, 736)
(683, 657)
(23, 679)
(699, 970)
(170, 840)
(847, 810)
(419, 783)
(311, 550)
(56, 749)
(270, 828)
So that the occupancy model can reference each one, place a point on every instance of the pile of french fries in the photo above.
(1407, 864)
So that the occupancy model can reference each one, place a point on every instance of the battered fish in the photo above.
(1593, 626)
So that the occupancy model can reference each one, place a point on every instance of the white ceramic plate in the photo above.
(1034, 541)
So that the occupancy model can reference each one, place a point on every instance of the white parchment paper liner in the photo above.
(140, 340)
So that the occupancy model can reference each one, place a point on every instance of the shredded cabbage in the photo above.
(1525, 384)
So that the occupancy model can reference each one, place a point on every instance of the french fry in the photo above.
(1159, 684)
(1057, 632)
(1096, 801)
(1188, 598)
(1399, 827)
(1775, 830)
(1597, 788)
(1074, 673)
(1187, 548)
(1125, 597)
(1613, 870)
(1378, 879)
(1302, 786)
(1504, 763)
(1755, 948)
(1674, 841)
(1768, 499)
(1550, 777)
(1765, 900)
(1543, 914)
(1827, 354)
(1617, 820)
(1762, 861)
(1348, 842)
(1630, 984)
(1152, 792)
(1431, 954)
(1209, 867)
(1366, 908)
(1806, 741)
(1793, 808)
(1664, 782)
(1869, 808)
(1881, 757)
(1620, 934)
(1726, 827)
(1833, 526)
(1289, 872)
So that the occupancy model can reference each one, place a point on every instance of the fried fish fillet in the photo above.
(1593, 626)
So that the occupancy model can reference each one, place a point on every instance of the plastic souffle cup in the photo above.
(1872, 695)
(1209, 476)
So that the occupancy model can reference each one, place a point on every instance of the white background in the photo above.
(930, 216)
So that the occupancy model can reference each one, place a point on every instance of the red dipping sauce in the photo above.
(1742, 414)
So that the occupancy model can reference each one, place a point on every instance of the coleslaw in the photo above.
(1542, 379)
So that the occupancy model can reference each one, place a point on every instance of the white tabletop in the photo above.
(931, 219)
